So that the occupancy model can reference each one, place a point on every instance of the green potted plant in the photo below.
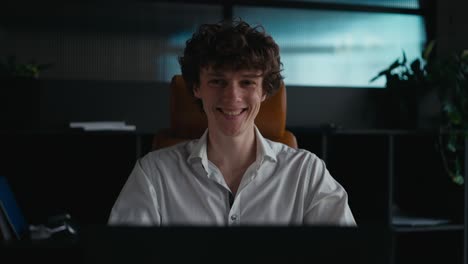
(20, 94)
(11, 69)
(405, 85)
(448, 78)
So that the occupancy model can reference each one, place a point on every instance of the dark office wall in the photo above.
(146, 104)
(2, 40)
(143, 104)
(452, 24)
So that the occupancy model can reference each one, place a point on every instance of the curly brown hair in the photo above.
(232, 45)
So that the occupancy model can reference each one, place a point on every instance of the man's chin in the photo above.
(231, 130)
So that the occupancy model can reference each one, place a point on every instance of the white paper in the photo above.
(103, 125)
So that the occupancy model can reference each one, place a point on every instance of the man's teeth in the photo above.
(232, 113)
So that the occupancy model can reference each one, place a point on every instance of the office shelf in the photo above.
(389, 173)
(448, 227)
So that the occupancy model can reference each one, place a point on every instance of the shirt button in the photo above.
(234, 217)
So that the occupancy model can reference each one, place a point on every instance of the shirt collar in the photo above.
(263, 147)
(199, 150)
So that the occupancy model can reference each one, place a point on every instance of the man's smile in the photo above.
(231, 112)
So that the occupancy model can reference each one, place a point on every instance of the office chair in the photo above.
(188, 122)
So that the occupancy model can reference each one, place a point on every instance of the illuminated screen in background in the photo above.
(179, 22)
(338, 48)
(409, 4)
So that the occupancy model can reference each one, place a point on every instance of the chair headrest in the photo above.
(188, 121)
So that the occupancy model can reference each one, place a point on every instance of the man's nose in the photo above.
(232, 91)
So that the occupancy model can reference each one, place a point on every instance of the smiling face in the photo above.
(231, 99)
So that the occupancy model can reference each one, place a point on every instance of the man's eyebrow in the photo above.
(244, 75)
(215, 74)
(251, 75)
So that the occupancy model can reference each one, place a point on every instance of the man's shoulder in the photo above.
(284, 151)
(171, 153)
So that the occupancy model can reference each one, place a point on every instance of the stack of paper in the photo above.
(103, 125)
(418, 221)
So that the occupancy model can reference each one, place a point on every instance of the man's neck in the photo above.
(233, 151)
(232, 155)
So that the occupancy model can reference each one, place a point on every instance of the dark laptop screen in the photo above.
(319, 244)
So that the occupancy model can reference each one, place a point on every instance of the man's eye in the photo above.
(248, 83)
(216, 82)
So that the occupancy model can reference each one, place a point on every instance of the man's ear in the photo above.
(196, 91)
(264, 96)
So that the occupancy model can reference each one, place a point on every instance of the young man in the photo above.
(231, 175)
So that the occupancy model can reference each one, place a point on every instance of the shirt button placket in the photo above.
(234, 213)
(234, 219)
(234, 216)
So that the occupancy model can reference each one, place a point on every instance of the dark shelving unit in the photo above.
(387, 169)
(54, 172)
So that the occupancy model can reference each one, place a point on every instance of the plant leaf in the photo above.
(428, 50)
(451, 147)
(384, 72)
(416, 66)
(458, 179)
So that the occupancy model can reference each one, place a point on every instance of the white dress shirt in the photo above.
(180, 186)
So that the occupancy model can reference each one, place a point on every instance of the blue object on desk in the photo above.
(12, 210)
